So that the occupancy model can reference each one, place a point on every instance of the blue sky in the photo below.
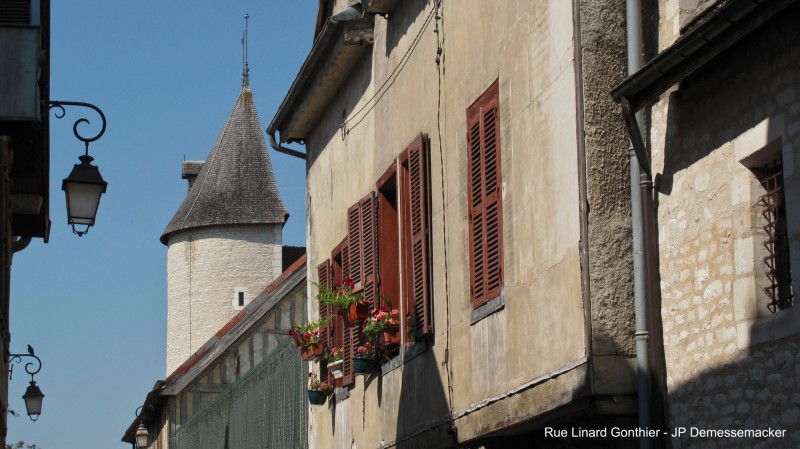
(166, 74)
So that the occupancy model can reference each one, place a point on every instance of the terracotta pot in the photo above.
(312, 351)
(391, 336)
(355, 313)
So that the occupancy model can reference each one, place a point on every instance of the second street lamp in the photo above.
(84, 185)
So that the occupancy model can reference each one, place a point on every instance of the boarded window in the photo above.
(484, 187)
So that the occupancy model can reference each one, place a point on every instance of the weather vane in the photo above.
(245, 62)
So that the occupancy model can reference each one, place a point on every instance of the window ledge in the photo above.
(769, 328)
(487, 309)
(406, 354)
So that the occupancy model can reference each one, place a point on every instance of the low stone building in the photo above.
(245, 387)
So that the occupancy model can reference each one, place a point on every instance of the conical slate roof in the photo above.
(236, 184)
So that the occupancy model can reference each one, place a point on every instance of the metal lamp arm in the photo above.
(62, 112)
(17, 358)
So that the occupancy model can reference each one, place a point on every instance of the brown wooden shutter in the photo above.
(369, 250)
(341, 270)
(354, 272)
(485, 197)
(418, 298)
(324, 274)
(362, 259)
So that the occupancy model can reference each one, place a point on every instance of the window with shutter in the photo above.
(324, 275)
(340, 271)
(484, 186)
(362, 247)
(414, 184)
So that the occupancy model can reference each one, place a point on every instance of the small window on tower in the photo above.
(239, 294)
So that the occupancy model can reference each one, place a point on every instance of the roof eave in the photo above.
(232, 331)
(150, 409)
(332, 58)
(380, 6)
(721, 29)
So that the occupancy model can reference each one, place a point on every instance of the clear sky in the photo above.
(166, 74)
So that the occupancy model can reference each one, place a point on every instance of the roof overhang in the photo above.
(729, 23)
(380, 6)
(151, 410)
(333, 56)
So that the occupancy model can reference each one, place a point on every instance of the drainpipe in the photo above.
(634, 38)
(281, 149)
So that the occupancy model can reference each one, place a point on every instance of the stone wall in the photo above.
(206, 268)
(731, 363)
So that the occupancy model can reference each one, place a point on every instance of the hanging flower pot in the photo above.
(364, 365)
(355, 313)
(391, 336)
(313, 351)
(336, 369)
(316, 397)
(318, 390)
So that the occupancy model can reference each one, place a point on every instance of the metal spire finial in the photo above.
(245, 63)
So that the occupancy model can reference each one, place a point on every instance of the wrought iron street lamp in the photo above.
(33, 395)
(84, 185)
(142, 436)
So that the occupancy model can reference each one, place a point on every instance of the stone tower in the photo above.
(224, 243)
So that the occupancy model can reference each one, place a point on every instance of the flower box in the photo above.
(316, 397)
(355, 313)
(312, 351)
(336, 369)
(364, 365)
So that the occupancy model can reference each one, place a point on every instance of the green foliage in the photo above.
(21, 445)
(341, 296)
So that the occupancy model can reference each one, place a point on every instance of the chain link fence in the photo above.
(267, 408)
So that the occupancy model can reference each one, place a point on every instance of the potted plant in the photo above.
(336, 362)
(365, 359)
(306, 337)
(318, 390)
(352, 307)
(383, 323)
(413, 331)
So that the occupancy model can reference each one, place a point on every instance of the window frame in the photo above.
(484, 197)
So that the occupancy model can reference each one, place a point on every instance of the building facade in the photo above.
(464, 167)
(24, 150)
(724, 133)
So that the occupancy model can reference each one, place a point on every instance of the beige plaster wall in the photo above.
(529, 357)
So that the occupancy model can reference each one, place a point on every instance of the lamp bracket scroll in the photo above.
(61, 112)
(33, 367)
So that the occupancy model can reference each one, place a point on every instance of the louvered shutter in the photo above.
(362, 258)
(324, 274)
(485, 198)
(354, 272)
(418, 298)
(368, 208)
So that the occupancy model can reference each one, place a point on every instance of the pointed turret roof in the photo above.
(236, 184)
